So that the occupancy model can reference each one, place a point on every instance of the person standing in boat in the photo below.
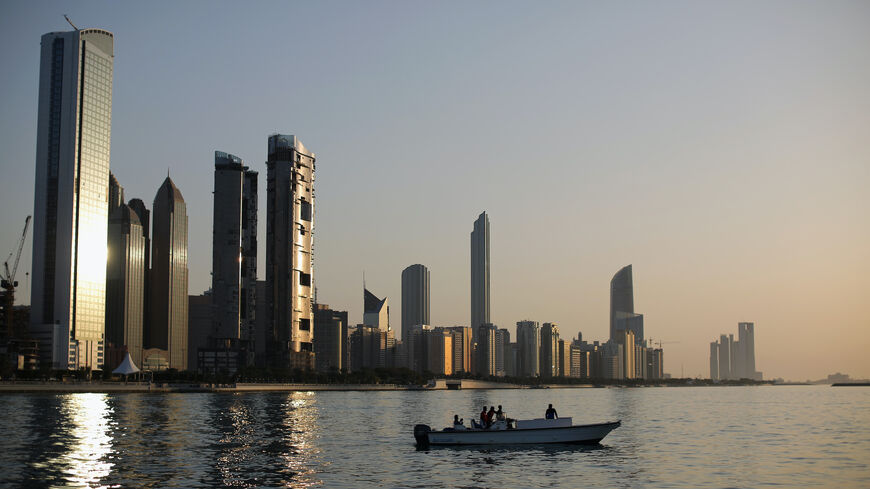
(551, 413)
(490, 416)
(483, 418)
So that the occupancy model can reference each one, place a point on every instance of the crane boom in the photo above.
(20, 247)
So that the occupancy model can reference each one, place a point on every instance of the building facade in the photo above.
(480, 310)
(169, 277)
(331, 343)
(529, 347)
(70, 215)
(415, 297)
(234, 254)
(621, 297)
(549, 356)
(125, 281)
(289, 249)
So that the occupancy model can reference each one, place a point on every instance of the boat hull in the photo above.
(580, 434)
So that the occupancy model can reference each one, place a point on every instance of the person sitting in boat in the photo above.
(499, 415)
(551, 413)
(483, 423)
(490, 416)
(458, 424)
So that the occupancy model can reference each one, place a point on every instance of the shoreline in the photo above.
(241, 387)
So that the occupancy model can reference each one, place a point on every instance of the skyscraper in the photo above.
(144, 215)
(724, 357)
(116, 193)
(480, 311)
(621, 297)
(415, 297)
(71, 197)
(234, 252)
(332, 341)
(529, 346)
(289, 249)
(376, 312)
(169, 300)
(714, 361)
(746, 340)
(549, 350)
(125, 281)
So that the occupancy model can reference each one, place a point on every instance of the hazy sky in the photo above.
(721, 148)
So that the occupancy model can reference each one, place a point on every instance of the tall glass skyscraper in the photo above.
(480, 312)
(289, 246)
(168, 327)
(621, 298)
(415, 297)
(125, 281)
(73, 143)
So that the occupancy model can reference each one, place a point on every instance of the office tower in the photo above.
(564, 362)
(376, 312)
(125, 281)
(579, 362)
(144, 215)
(549, 350)
(331, 340)
(613, 360)
(502, 342)
(480, 311)
(621, 297)
(631, 322)
(70, 212)
(439, 346)
(416, 347)
(199, 329)
(169, 301)
(487, 350)
(415, 297)
(289, 248)
(368, 347)
(234, 253)
(656, 364)
(116, 193)
(529, 345)
(734, 362)
(746, 340)
(461, 348)
(628, 358)
(714, 361)
(724, 357)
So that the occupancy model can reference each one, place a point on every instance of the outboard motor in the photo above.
(421, 434)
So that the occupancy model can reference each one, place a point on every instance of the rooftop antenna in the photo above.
(65, 16)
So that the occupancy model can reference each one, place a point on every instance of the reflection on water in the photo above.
(86, 460)
(675, 437)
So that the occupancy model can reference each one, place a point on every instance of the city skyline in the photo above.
(742, 244)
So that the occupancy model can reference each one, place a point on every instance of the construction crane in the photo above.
(660, 343)
(8, 282)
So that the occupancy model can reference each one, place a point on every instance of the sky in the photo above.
(719, 147)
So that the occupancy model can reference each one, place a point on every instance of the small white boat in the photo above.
(522, 431)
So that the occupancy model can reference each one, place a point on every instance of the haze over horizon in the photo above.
(719, 148)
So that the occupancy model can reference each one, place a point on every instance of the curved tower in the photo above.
(621, 297)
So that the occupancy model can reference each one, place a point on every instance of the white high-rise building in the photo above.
(73, 144)
(480, 311)
(289, 252)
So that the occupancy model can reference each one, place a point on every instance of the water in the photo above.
(671, 437)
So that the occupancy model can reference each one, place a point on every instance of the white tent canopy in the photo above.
(127, 367)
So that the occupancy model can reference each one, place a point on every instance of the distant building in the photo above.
(656, 364)
(439, 343)
(144, 215)
(234, 255)
(289, 240)
(549, 350)
(621, 297)
(714, 361)
(415, 297)
(331, 342)
(461, 349)
(376, 312)
(71, 204)
(487, 350)
(564, 359)
(480, 305)
(169, 300)
(125, 281)
(368, 347)
(529, 347)
(735, 359)
(199, 329)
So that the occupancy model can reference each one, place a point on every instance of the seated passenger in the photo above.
(458, 424)
(483, 422)
(490, 416)
(499, 415)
